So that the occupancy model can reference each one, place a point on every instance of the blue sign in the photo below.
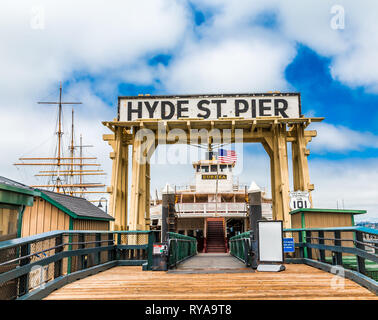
(288, 244)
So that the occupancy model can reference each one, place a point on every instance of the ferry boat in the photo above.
(213, 208)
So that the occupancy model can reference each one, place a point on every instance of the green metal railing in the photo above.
(180, 247)
(32, 267)
(355, 249)
(240, 247)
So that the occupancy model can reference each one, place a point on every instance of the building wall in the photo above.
(324, 220)
(91, 225)
(296, 222)
(190, 224)
(43, 217)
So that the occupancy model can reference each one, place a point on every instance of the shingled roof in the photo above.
(14, 184)
(78, 208)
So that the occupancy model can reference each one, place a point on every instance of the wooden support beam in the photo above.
(119, 182)
(280, 176)
(253, 127)
(301, 176)
(139, 200)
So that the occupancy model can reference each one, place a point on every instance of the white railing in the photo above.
(211, 207)
(192, 188)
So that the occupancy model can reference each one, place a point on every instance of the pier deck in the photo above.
(131, 283)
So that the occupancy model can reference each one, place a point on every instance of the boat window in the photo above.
(223, 167)
(205, 168)
(198, 168)
(213, 168)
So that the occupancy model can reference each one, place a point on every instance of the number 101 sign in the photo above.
(299, 200)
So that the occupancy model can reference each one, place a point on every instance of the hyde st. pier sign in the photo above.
(272, 119)
(209, 107)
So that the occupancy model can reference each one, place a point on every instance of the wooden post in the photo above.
(301, 176)
(280, 176)
(139, 201)
(119, 181)
(361, 268)
(148, 196)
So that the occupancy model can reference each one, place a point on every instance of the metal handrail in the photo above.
(240, 247)
(15, 270)
(306, 246)
(330, 229)
(52, 234)
(175, 257)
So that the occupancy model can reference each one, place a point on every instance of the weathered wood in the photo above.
(138, 218)
(301, 174)
(281, 186)
(118, 199)
(296, 282)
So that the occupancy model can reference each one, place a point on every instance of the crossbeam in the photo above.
(71, 186)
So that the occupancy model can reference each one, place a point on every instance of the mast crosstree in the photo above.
(66, 168)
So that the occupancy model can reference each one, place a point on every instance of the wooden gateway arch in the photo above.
(272, 119)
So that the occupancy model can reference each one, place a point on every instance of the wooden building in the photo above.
(323, 218)
(56, 211)
(14, 198)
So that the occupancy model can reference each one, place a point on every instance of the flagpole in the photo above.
(216, 193)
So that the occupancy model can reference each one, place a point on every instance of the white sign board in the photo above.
(270, 241)
(158, 248)
(248, 106)
(299, 200)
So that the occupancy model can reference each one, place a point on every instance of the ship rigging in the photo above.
(65, 174)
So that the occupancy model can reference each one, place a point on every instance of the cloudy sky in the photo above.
(326, 50)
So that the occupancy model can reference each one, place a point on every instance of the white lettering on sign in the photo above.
(209, 107)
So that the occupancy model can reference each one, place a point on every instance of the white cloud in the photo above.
(254, 64)
(108, 43)
(352, 49)
(339, 138)
(85, 36)
(354, 182)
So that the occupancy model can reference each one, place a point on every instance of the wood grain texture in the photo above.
(131, 283)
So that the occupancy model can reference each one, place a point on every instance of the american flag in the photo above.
(227, 156)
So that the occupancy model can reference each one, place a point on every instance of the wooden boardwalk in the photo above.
(131, 283)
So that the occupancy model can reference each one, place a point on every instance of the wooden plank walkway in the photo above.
(131, 283)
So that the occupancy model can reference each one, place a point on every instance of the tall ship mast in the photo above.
(65, 173)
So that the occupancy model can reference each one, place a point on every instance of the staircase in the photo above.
(215, 239)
